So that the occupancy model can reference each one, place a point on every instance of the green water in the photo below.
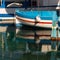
(12, 48)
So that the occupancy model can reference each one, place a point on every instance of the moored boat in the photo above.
(36, 18)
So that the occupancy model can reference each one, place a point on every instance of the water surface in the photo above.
(13, 47)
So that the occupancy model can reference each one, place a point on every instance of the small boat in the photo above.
(36, 18)
(40, 17)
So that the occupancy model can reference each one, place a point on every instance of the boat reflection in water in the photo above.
(33, 37)
(25, 43)
(32, 33)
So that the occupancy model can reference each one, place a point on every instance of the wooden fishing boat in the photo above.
(36, 18)
(42, 17)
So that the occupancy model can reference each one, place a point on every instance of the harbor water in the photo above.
(15, 44)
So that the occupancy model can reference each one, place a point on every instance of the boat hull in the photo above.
(32, 22)
(35, 18)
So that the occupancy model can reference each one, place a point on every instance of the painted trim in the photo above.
(7, 17)
(31, 21)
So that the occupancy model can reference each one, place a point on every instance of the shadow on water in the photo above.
(15, 48)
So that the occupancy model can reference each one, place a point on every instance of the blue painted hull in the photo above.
(37, 18)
